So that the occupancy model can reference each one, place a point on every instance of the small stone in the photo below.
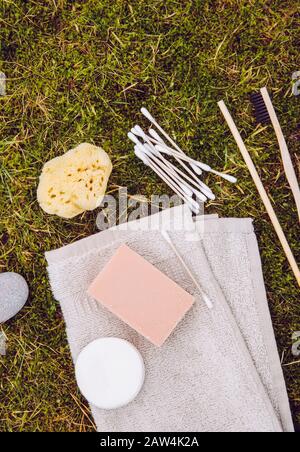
(13, 295)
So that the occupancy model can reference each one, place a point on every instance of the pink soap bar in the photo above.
(141, 295)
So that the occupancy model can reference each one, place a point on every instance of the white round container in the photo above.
(110, 372)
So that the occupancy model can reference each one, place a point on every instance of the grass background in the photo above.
(79, 71)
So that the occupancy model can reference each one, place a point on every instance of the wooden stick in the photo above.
(261, 190)
(286, 158)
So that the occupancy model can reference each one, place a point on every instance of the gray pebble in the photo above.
(13, 295)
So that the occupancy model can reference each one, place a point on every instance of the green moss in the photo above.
(79, 71)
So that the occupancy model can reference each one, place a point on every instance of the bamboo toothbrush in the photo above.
(261, 190)
(265, 113)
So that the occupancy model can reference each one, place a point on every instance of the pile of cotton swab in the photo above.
(153, 151)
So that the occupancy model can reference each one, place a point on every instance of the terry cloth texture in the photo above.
(219, 371)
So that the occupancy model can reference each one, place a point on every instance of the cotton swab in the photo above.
(142, 150)
(227, 177)
(202, 166)
(261, 189)
(169, 151)
(177, 173)
(171, 169)
(147, 114)
(162, 147)
(147, 161)
(149, 152)
(157, 137)
(193, 205)
(152, 149)
(200, 186)
(207, 300)
(174, 171)
(139, 131)
(196, 182)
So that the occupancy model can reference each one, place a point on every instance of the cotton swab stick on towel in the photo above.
(286, 158)
(203, 294)
(261, 190)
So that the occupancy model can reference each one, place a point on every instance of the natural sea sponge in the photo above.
(74, 182)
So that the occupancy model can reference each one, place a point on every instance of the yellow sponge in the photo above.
(74, 182)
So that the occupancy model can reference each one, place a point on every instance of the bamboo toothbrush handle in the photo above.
(261, 190)
(286, 158)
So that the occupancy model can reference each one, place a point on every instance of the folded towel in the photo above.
(219, 371)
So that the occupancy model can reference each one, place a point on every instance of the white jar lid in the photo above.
(110, 372)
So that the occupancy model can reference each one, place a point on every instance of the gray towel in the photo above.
(219, 371)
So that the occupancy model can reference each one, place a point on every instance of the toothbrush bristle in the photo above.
(260, 110)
